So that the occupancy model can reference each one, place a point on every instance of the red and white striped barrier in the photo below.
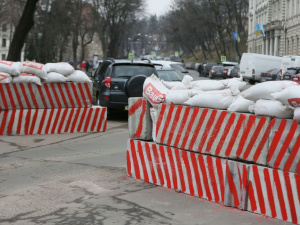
(52, 121)
(215, 179)
(274, 193)
(139, 119)
(284, 150)
(48, 95)
(216, 132)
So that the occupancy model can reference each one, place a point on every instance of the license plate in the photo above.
(219, 73)
(295, 78)
(126, 107)
(263, 79)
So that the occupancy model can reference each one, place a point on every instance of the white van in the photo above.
(252, 65)
(289, 61)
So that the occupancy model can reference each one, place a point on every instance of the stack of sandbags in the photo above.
(8, 70)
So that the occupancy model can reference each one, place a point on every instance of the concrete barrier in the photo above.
(139, 119)
(48, 95)
(284, 145)
(52, 121)
(215, 179)
(215, 132)
(274, 193)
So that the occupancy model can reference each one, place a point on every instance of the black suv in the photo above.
(287, 75)
(117, 80)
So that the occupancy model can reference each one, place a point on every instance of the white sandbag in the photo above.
(5, 78)
(154, 90)
(187, 81)
(289, 96)
(79, 76)
(153, 114)
(297, 114)
(54, 77)
(13, 68)
(271, 108)
(240, 104)
(174, 84)
(208, 85)
(27, 78)
(265, 89)
(62, 67)
(234, 82)
(37, 69)
(221, 99)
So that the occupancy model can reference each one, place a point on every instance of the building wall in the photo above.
(281, 22)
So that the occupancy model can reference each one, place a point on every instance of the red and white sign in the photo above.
(154, 95)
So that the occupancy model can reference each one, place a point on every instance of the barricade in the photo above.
(215, 132)
(48, 95)
(52, 121)
(215, 179)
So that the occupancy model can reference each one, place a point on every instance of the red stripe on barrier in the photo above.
(215, 131)
(189, 128)
(198, 127)
(232, 186)
(179, 166)
(142, 117)
(245, 135)
(173, 169)
(88, 119)
(235, 134)
(59, 85)
(42, 121)
(151, 164)
(297, 181)
(280, 195)
(55, 95)
(56, 119)
(263, 141)
(11, 121)
(276, 139)
(141, 155)
(32, 95)
(135, 107)
(225, 133)
(34, 120)
(74, 122)
(82, 118)
(212, 177)
(286, 144)
(3, 98)
(260, 195)
(101, 119)
(96, 115)
(18, 96)
(183, 122)
(270, 192)
(76, 95)
(11, 98)
(49, 96)
(70, 118)
(240, 180)
(197, 174)
(174, 124)
(135, 160)
(157, 163)
(188, 171)
(88, 91)
(165, 166)
(167, 123)
(42, 96)
(221, 178)
(160, 117)
(62, 121)
(70, 97)
(207, 129)
(49, 121)
(25, 95)
(128, 164)
(27, 122)
(292, 155)
(290, 196)
(82, 94)
(204, 175)
(245, 177)
(3, 122)
(251, 197)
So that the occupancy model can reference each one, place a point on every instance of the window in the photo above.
(4, 27)
(3, 57)
(4, 42)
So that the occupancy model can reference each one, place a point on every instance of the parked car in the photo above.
(289, 61)
(273, 74)
(207, 67)
(235, 72)
(287, 75)
(296, 78)
(170, 64)
(217, 71)
(169, 74)
(114, 81)
(229, 66)
(189, 65)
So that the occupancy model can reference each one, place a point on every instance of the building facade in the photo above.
(280, 20)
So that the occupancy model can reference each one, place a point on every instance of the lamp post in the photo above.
(131, 39)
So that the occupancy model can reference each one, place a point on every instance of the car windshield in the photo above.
(179, 67)
(290, 72)
(132, 70)
(169, 75)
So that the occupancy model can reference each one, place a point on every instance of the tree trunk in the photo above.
(24, 26)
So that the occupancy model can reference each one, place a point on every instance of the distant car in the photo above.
(287, 75)
(229, 66)
(273, 74)
(207, 67)
(296, 78)
(217, 71)
(235, 72)
(170, 64)
(169, 74)
(189, 65)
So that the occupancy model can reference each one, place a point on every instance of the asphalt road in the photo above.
(81, 179)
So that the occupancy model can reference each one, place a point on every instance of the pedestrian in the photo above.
(87, 66)
(200, 69)
(82, 65)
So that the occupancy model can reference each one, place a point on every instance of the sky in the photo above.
(158, 7)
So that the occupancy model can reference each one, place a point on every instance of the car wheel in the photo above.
(251, 81)
(134, 86)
